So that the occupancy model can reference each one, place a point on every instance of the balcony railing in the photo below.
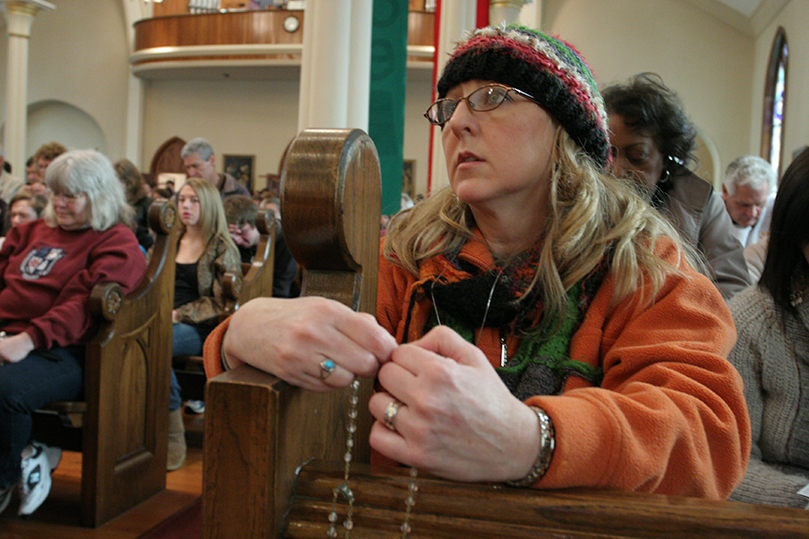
(242, 43)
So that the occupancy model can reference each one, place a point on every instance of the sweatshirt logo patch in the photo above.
(40, 262)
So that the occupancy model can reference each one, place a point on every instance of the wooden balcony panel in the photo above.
(236, 28)
(246, 44)
(420, 27)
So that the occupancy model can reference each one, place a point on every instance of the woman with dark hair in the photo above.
(138, 197)
(48, 268)
(772, 352)
(653, 143)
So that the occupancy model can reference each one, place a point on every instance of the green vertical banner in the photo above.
(387, 106)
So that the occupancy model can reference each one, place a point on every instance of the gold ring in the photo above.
(390, 414)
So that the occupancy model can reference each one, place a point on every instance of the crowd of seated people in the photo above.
(772, 352)
(532, 299)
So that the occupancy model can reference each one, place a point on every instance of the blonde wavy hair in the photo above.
(590, 214)
(211, 211)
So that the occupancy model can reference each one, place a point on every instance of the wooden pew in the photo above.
(256, 283)
(262, 429)
(463, 510)
(274, 453)
(121, 426)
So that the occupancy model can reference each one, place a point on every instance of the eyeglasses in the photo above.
(67, 198)
(483, 99)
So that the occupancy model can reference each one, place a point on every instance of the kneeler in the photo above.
(274, 453)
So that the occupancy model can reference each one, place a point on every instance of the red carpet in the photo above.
(187, 524)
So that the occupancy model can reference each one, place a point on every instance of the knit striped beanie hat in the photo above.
(547, 68)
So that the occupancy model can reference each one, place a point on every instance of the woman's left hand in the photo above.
(457, 420)
(15, 348)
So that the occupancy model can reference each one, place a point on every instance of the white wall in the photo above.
(242, 117)
(706, 61)
(78, 56)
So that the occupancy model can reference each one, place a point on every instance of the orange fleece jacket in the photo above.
(670, 415)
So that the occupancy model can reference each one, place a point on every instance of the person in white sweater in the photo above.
(772, 353)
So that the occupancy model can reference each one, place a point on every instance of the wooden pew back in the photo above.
(258, 429)
(123, 419)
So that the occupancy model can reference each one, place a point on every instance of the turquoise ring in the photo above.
(327, 367)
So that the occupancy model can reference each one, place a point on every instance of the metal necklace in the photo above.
(503, 345)
(345, 491)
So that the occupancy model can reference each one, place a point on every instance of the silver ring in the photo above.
(327, 367)
(390, 414)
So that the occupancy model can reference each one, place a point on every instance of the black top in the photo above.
(186, 285)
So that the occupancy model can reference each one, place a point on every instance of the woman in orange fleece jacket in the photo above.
(549, 329)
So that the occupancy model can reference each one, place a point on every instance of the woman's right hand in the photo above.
(290, 338)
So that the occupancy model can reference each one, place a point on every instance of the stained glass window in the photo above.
(775, 102)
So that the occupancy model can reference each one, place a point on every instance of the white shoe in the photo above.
(35, 484)
(195, 407)
(54, 454)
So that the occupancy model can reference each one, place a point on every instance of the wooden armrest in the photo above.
(451, 509)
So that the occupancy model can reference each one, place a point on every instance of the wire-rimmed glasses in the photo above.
(483, 99)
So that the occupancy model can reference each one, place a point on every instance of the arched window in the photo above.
(775, 93)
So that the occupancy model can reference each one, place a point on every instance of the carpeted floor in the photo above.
(187, 524)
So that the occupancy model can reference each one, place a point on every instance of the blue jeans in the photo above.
(187, 340)
(44, 376)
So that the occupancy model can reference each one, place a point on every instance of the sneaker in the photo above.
(195, 407)
(5, 497)
(35, 484)
(54, 454)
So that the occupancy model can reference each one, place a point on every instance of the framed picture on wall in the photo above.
(241, 168)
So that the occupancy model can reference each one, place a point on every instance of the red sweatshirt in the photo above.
(47, 273)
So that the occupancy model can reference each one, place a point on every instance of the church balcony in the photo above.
(256, 44)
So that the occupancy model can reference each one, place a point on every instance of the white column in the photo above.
(359, 69)
(457, 16)
(134, 121)
(332, 81)
(19, 18)
(531, 14)
(133, 144)
(505, 11)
